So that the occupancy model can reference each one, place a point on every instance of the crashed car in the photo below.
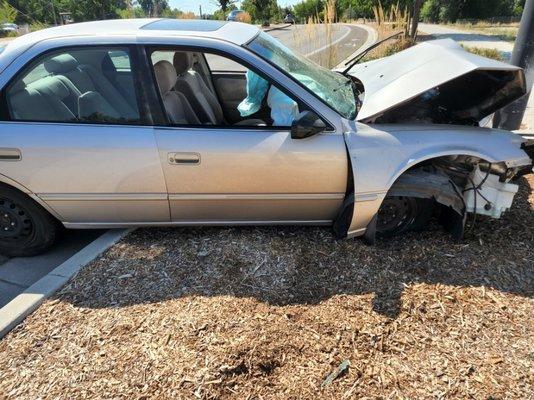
(135, 123)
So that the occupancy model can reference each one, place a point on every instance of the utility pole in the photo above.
(510, 117)
(200, 10)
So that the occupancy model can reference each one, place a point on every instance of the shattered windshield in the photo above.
(332, 88)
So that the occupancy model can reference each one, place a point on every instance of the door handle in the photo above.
(183, 158)
(10, 154)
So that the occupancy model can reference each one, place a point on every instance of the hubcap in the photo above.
(15, 223)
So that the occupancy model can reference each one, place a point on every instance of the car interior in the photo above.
(206, 89)
(96, 85)
(81, 85)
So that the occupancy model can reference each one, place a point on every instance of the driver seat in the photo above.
(202, 99)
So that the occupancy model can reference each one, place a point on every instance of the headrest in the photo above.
(165, 76)
(52, 86)
(183, 62)
(60, 64)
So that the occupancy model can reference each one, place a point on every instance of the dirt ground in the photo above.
(268, 313)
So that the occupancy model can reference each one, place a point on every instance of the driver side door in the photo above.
(238, 174)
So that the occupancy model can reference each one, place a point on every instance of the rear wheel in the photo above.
(399, 214)
(26, 229)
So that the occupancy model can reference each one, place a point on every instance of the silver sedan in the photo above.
(174, 122)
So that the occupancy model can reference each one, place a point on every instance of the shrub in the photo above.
(244, 17)
(37, 26)
(430, 11)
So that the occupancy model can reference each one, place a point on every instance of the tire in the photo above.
(26, 229)
(399, 214)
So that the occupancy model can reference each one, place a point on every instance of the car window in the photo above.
(207, 89)
(72, 86)
(120, 60)
(218, 63)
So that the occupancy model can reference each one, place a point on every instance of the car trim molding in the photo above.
(188, 197)
(258, 196)
(112, 225)
(102, 196)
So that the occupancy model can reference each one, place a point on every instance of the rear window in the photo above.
(72, 86)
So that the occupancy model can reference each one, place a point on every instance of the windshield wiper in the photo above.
(354, 60)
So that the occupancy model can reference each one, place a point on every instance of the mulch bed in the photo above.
(269, 313)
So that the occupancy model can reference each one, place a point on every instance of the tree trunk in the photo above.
(415, 17)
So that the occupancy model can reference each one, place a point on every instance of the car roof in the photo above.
(234, 32)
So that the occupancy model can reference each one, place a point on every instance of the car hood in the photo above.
(436, 81)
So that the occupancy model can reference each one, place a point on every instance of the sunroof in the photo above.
(199, 25)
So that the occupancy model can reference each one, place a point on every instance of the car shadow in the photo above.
(296, 265)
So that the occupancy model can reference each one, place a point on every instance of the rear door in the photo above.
(91, 163)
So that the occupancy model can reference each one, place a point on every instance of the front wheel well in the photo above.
(438, 181)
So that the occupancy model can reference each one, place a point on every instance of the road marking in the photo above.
(372, 38)
(330, 44)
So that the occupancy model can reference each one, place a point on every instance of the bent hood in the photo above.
(436, 80)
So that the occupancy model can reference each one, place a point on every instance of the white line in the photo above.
(372, 38)
(14, 312)
(330, 44)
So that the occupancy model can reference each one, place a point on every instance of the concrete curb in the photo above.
(28, 301)
(372, 38)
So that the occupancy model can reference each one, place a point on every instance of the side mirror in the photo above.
(306, 124)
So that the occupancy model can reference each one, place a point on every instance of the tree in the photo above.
(7, 12)
(415, 17)
(308, 9)
(224, 4)
(153, 8)
(262, 10)
(452, 10)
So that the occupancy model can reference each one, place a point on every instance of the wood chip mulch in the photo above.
(270, 313)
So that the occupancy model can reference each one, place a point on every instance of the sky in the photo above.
(208, 6)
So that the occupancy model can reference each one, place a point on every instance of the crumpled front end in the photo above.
(435, 82)
(457, 171)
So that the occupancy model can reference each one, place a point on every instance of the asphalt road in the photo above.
(17, 274)
(314, 41)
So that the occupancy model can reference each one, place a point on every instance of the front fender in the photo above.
(381, 153)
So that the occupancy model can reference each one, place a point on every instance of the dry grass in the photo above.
(319, 33)
(507, 32)
(268, 313)
(488, 53)
(390, 20)
(244, 17)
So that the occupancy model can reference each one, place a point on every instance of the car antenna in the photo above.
(354, 60)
